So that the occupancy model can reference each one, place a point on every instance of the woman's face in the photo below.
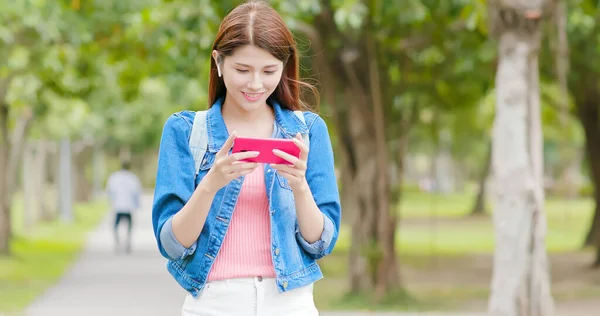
(251, 74)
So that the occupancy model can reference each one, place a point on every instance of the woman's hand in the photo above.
(296, 172)
(228, 167)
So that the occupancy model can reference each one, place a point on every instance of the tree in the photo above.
(380, 67)
(479, 207)
(520, 281)
(583, 25)
(570, 166)
(31, 41)
(104, 71)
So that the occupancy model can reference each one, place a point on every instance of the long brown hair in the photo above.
(258, 24)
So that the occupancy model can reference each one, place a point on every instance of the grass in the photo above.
(331, 292)
(437, 226)
(41, 256)
(443, 228)
(568, 222)
(417, 204)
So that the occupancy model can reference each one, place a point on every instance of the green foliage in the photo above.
(350, 14)
(114, 70)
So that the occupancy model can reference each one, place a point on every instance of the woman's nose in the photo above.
(255, 83)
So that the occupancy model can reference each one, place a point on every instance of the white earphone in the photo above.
(219, 60)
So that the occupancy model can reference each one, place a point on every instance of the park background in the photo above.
(409, 92)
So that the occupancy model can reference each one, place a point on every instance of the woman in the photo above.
(243, 238)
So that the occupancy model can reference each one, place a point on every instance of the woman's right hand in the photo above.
(228, 167)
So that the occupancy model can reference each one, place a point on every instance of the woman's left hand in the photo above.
(296, 172)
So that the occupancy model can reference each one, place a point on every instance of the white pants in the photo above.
(250, 297)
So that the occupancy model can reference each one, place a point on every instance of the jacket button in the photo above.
(277, 251)
(285, 284)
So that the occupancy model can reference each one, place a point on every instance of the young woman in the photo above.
(243, 238)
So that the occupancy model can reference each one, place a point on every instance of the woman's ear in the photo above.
(217, 59)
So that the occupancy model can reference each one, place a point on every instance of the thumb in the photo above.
(227, 145)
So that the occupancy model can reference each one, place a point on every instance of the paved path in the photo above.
(103, 282)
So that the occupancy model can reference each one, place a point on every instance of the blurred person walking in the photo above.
(124, 191)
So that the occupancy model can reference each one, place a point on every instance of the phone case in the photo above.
(265, 148)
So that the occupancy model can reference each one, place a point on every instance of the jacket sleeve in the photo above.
(175, 184)
(320, 175)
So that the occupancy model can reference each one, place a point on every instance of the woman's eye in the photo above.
(269, 72)
(242, 70)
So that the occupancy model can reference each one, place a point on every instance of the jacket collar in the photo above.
(285, 120)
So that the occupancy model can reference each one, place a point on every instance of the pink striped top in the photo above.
(246, 249)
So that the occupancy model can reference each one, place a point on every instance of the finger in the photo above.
(234, 158)
(241, 166)
(241, 173)
(302, 145)
(240, 162)
(291, 178)
(298, 163)
(285, 174)
(227, 145)
(287, 157)
(292, 171)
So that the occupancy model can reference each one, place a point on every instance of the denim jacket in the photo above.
(294, 259)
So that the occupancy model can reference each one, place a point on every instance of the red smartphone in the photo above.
(265, 148)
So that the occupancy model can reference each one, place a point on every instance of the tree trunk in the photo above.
(374, 229)
(592, 137)
(593, 231)
(5, 219)
(33, 174)
(362, 187)
(568, 179)
(11, 152)
(41, 188)
(82, 185)
(520, 280)
(479, 206)
(443, 161)
(373, 264)
(594, 236)
(28, 176)
(588, 114)
(364, 152)
(65, 178)
(49, 203)
(98, 170)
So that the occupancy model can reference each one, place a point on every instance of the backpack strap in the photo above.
(300, 116)
(199, 139)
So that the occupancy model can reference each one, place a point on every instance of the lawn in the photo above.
(446, 256)
(437, 225)
(40, 257)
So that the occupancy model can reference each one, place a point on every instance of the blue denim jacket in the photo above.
(294, 258)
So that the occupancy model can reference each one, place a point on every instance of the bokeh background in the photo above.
(408, 85)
